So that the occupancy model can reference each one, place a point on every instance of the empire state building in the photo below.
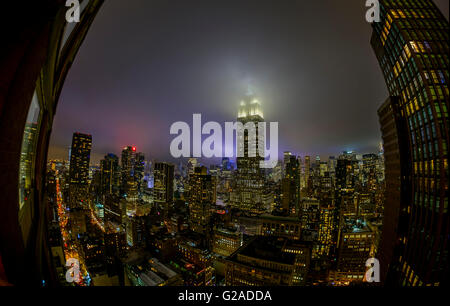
(248, 193)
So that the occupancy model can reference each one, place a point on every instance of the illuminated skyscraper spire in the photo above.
(250, 109)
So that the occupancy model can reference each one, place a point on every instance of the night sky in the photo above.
(147, 64)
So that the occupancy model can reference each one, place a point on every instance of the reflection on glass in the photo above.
(26, 175)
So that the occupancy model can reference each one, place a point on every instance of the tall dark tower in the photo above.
(129, 177)
(291, 186)
(110, 187)
(308, 174)
(344, 174)
(110, 174)
(139, 169)
(248, 189)
(412, 46)
(163, 187)
(79, 170)
(202, 198)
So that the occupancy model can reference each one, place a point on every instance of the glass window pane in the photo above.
(26, 176)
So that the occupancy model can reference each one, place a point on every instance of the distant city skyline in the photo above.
(317, 77)
(97, 157)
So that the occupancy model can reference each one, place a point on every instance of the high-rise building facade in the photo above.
(110, 188)
(291, 186)
(110, 174)
(286, 157)
(248, 190)
(326, 240)
(355, 247)
(163, 187)
(412, 46)
(139, 173)
(202, 198)
(79, 170)
(396, 156)
(344, 174)
(308, 174)
(129, 178)
(370, 162)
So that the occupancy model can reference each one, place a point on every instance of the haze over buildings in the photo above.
(157, 62)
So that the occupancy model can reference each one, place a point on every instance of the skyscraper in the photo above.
(129, 178)
(291, 186)
(412, 46)
(139, 169)
(79, 170)
(202, 198)
(163, 187)
(393, 127)
(110, 174)
(110, 188)
(369, 169)
(248, 189)
(307, 174)
(344, 174)
(327, 227)
(286, 157)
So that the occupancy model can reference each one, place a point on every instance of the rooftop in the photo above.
(279, 218)
(265, 248)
